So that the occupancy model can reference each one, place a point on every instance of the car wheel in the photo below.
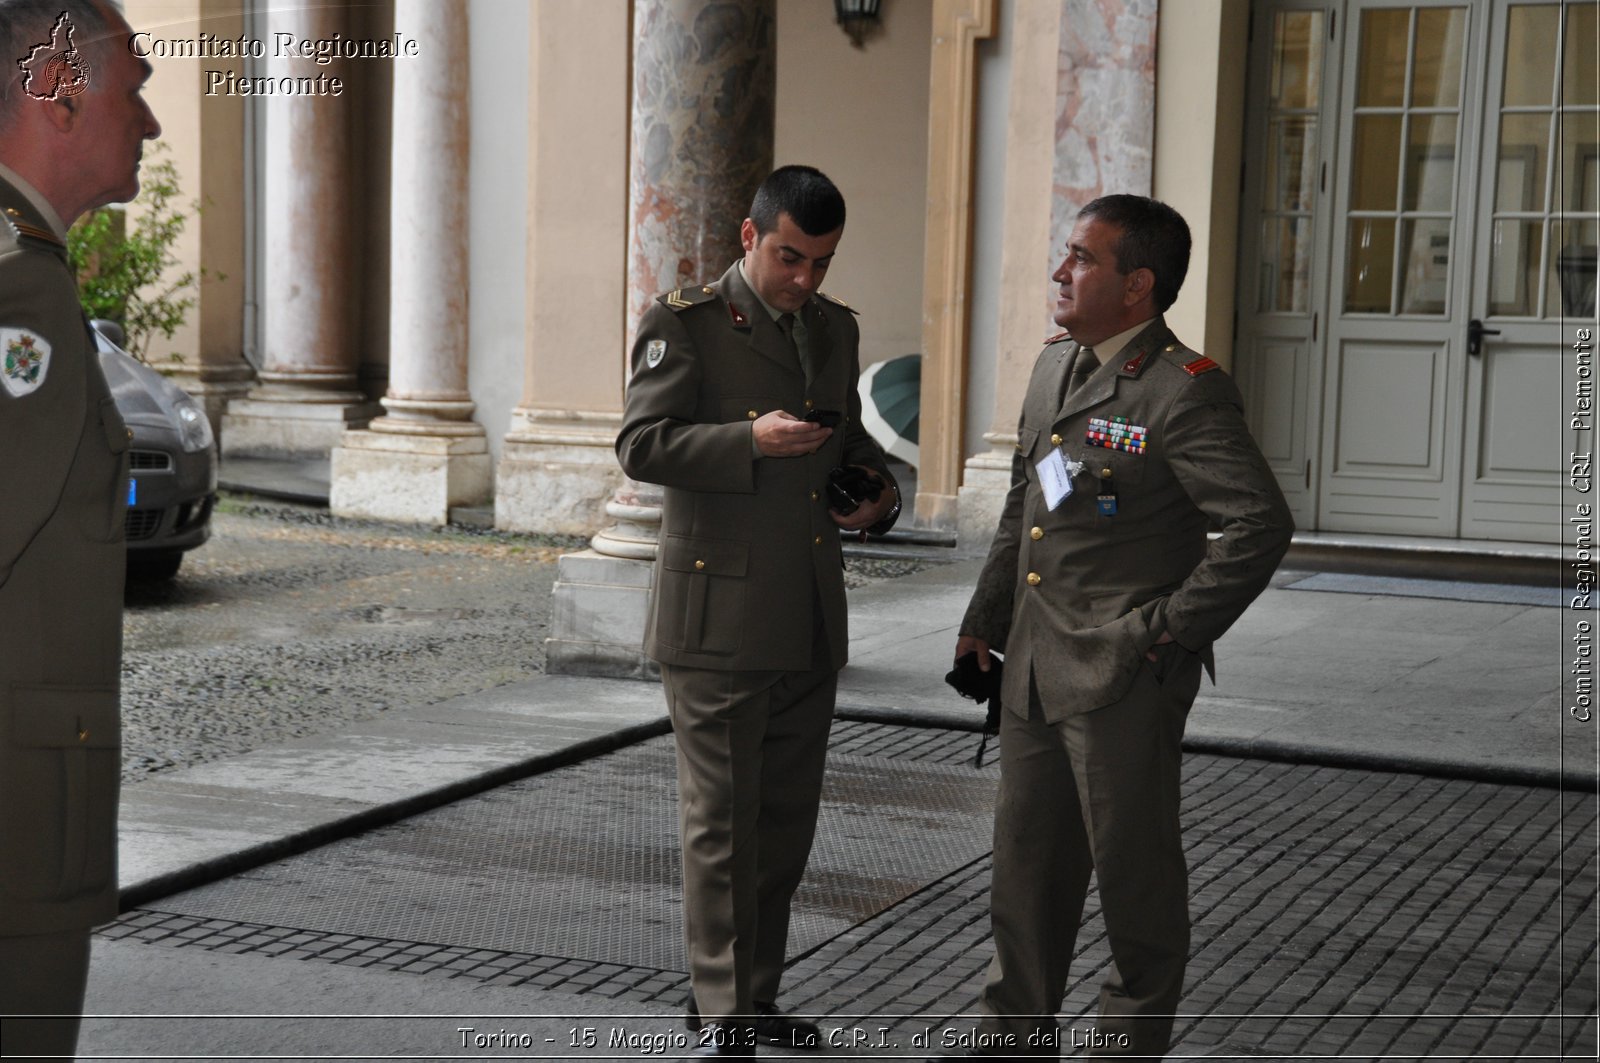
(154, 566)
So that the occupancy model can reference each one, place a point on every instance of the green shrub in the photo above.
(123, 275)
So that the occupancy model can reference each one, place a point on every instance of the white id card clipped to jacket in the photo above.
(1056, 478)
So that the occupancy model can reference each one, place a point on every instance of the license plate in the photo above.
(133, 490)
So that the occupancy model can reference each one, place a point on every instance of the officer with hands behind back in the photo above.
(748, 612)
(1103, 592)
(72, 127)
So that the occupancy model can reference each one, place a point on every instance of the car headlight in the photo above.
(193, 428)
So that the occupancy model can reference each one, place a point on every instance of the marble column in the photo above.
(704, 92)
(1095, 135)
(426, 453)
(308, 392)
(1105, 107)
(557, 465)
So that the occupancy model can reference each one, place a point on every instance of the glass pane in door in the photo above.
(1293, 163)
(1405, 160)
(1531, 34)
(1542, 251)
(1580, 87)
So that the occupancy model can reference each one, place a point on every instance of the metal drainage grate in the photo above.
(583, 861)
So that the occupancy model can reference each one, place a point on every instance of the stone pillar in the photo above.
(426, 453)
(558, 466)
(1095, 135)
(308, 389)
(952, 88)
(703, 105)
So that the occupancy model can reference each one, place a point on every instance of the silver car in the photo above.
(172, 459)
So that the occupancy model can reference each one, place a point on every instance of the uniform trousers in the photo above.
(43, 974)
(751, 747)
(1099, 792)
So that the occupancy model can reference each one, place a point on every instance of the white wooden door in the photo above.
(1534, 263)
(1396, 362)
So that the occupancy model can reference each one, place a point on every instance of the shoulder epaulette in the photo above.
(1057, 338)
(22, 228)
(839, 303)
(1200, 365)
(683, 298)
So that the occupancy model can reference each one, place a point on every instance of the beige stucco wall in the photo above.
(1201, 55)
(861, 116)
(205, 136)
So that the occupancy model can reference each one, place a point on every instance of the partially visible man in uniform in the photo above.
(72, 127)
(748, 613)
(1105, 596)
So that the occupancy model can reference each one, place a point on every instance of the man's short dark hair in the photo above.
(26, 23)
(1154, 237)
(802, 192)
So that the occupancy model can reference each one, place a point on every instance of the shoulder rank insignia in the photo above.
(1200, 365)
(839, 303)
(683, 298)
(1057, 338)
(24, 361)
(23, 228)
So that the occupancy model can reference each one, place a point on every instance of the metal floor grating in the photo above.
(583, 861)
(1337, 913)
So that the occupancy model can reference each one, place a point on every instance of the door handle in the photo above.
(1475, 334)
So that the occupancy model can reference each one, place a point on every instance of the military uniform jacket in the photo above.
(747, 546)
(63, 486)
(1075, 596)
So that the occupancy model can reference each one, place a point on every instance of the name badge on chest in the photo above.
(1055, 477)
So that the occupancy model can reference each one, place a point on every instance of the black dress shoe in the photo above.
(772, 1027)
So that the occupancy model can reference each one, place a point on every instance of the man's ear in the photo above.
(1141, 285)
(61, 113)
(748, 235)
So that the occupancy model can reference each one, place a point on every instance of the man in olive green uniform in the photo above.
(748, 612)
(70, 138)
(1105, 596)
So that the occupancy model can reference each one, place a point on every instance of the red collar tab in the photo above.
(1200, 365)
(1134, 364)
(1057, 338)
(739, 320)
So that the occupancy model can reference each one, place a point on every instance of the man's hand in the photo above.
(972, 644)
(868, 512)
(782, 435)
(1150, 654)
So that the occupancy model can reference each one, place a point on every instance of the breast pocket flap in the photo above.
(714, 557)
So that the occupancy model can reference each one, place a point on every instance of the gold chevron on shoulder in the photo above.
(683, 298)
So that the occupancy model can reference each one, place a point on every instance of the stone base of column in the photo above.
(214, 387)
(598, 612)
(556, 472)
(273, 427)
(410, 478)
(984, 485)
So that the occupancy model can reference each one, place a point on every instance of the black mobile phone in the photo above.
(825, 418)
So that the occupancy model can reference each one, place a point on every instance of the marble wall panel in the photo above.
(1105, 107)
(704, 90)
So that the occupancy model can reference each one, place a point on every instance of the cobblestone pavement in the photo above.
(1337, 912)
(291, 622)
